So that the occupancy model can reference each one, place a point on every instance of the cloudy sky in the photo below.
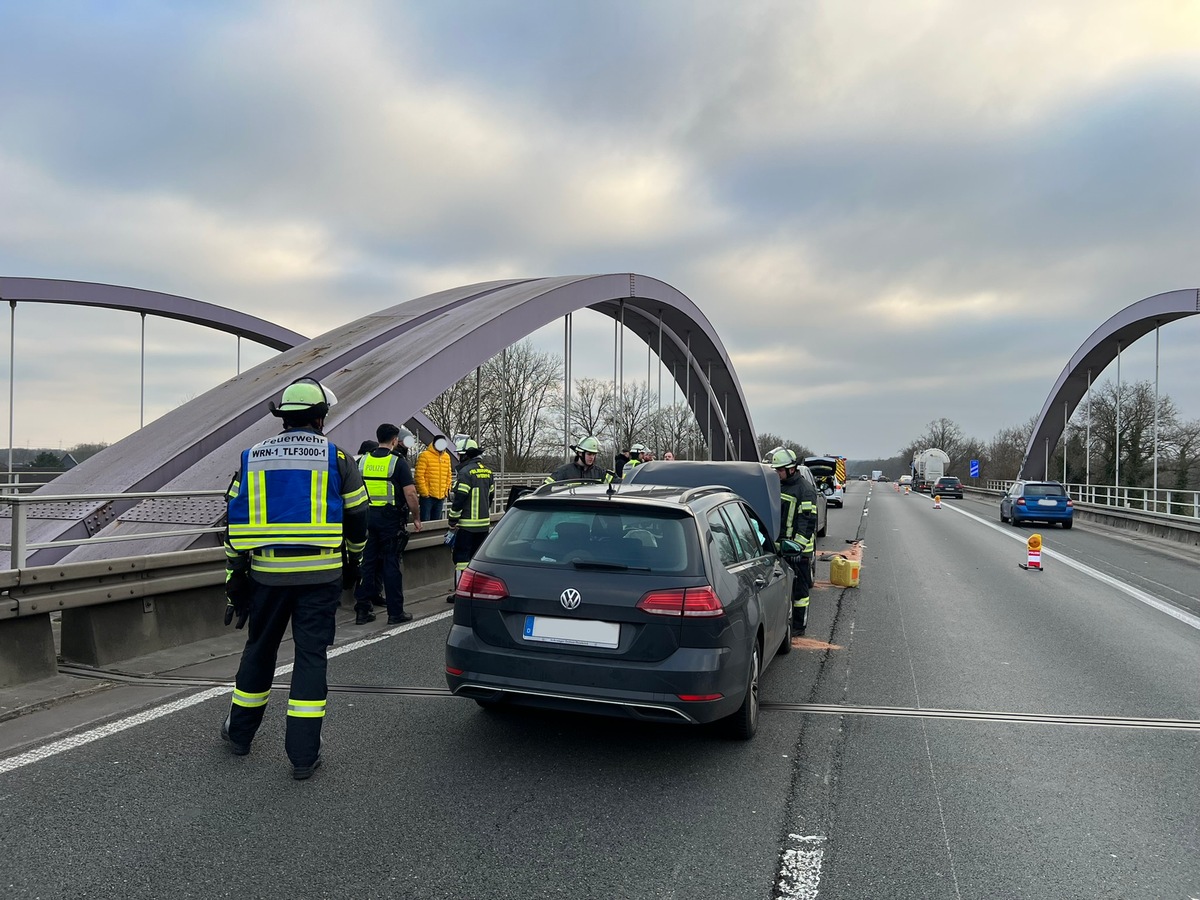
(891, 211)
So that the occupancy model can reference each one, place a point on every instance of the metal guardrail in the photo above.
(19, 504)
(1169, 504)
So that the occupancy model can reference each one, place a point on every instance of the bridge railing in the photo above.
(1169, 503)
(18, 506)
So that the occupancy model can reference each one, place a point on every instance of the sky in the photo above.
(891, 211)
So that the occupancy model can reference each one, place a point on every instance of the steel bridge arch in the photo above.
(1093, 356)
(384, 367)
(156, 303)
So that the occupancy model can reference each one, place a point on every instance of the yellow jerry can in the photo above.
(844, 572)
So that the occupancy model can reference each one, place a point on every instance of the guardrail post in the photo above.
(17, 554)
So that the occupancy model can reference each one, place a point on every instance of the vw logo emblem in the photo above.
(569, 598)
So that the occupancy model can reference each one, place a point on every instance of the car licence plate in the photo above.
(1047, 503)
(580, 632)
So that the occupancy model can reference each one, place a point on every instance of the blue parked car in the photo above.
(1037, 501)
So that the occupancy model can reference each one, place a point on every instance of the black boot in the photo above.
(363, 615)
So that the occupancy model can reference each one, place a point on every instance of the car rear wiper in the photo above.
(608, 566)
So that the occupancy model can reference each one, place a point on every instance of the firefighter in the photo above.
(470, 515)
(798, 523)
(584, 466)
(297, 526)
(639, 453)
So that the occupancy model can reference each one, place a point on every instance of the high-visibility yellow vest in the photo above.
(377, 474)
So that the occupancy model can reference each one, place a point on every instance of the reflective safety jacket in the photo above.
(471, 508)
(798, 518)
(294, 502)
(574, 471)
(377, 472)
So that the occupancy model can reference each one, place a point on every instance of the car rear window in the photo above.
(948, 480)
(560, 535)
(1044, 490)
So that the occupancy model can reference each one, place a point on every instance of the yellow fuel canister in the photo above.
(844, 572)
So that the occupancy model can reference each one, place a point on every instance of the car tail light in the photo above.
(454, 671)
(478, 586)
(693, 698)
(1070, 503)
(695, 602)
(1020, 501)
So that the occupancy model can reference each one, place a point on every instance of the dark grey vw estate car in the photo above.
(659, 602)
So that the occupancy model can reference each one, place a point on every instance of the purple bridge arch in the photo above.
(1092, 357)
(383, 366)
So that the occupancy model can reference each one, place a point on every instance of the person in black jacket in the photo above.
(798, 523)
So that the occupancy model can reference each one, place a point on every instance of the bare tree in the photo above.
(1136, 403)
(591, 400)
(523, 391)
(454, 409)
(628, 419)
(768, 442)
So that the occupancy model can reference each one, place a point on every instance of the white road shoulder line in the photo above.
(157, 712)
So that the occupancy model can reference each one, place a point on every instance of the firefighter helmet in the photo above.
(782, 458)
(588, 445)
(305, 395)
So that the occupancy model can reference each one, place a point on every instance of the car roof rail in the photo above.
(554, 486)
(696, 492)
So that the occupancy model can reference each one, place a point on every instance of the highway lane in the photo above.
(433, 797)
(938, 808)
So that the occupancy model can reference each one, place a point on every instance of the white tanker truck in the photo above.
(927, 467)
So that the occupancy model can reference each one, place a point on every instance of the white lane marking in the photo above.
(800, 867)
(174, 706)
(1141, 596)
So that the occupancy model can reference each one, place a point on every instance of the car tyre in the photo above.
(1014, 521)
(785, 646)
(1068, 523)
(744, 723)
(1002, 519)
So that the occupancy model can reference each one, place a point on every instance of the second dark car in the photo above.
(947, 486)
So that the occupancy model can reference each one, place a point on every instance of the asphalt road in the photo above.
(882, 796)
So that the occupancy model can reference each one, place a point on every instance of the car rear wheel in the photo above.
(744, 723)
(785, 646)
(1013, 519)
(1068, 523)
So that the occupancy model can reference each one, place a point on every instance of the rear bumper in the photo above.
(1053, 515)
(640, 690)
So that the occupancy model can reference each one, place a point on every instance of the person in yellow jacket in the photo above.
(434, 475)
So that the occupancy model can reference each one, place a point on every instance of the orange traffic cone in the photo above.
(937, 501)
(906, 489)
(1033, 560)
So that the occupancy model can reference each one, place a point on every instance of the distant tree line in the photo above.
(1001, 457)
(45, 458)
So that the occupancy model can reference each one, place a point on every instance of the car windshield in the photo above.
(617, 537)
(1044, 490)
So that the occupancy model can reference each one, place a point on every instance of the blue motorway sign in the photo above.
(974, 468)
